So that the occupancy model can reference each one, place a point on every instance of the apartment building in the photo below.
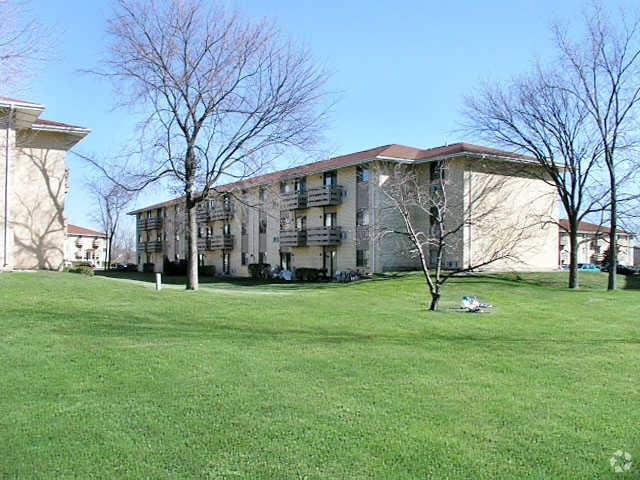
(593, 242)
(85, 245)
(327, 215)
(34, 181)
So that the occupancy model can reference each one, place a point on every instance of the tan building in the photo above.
(34, 183)
(326, 215)
(593, 242)
(85, 245)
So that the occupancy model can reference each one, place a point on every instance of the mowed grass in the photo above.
(103, 378)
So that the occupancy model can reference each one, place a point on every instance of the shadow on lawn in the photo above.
(221, 281)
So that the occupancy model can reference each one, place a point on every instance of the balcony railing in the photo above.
(293, 238)
(217, 242)
(321, 236)
(294, 200)
(323, 196)
(219, 212)
(154, 246)
(150, 223)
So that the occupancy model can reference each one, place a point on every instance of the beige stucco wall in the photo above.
(513, 214)
(38, 184)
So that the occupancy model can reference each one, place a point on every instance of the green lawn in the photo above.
(105, 378)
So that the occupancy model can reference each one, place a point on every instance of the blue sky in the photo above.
(401, 68)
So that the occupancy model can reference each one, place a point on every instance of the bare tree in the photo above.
(431, 223)
(603, 69)
(111, 199)
(24, 42)
(538, 116)
(123, 246)
(222, 95)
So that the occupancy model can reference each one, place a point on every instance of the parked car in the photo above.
(588, 267)
(621, 269)
(126, 267)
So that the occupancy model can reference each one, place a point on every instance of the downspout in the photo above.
(469, 259)
(373, 237)
(7, 152)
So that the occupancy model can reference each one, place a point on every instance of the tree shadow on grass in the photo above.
(222, 281)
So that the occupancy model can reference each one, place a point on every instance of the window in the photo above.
(362, 174)
(330, 178)
(301, 223)
(263, 225)
(226, 262)
(243, 228)
(226, 229)
(261, 193)
(285, 187)
(437, 170)
(362, 258)
(330, 219)
(362, 217)
(301, 185)
(243, 258)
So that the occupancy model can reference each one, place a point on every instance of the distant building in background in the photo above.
(33, 185)
(593, 242)
(85, 245)
(326, 215)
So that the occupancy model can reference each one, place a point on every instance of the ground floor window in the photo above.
(243, 258)
(362, 258)
(226, 262)
(285, 260)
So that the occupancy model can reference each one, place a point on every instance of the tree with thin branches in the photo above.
(223, 95)
(603, 69)
(577, 116)
(536, 115)
(24, 43)
(428, 223)
(111, 199)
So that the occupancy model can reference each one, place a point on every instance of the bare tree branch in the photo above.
(223, 95)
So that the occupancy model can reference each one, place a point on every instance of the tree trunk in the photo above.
(109, 246)
(192, 245)
(435, 300)
(613, 244)
(573, 259)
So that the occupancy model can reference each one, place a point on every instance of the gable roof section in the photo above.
(81, 231)
(586, 227)
(391, 152)
(27, 115)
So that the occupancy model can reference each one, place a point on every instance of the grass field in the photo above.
(107, 378)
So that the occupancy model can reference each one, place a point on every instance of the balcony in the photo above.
(323, 236)
(150, 223)
(217, 242)
(293, 238)
(294, 200)
(153, 246)
(219, 212)
(324, 196)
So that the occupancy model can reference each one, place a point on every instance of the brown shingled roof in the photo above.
(76, 230)
(384, 152)
(586, 227)
(51, 123)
